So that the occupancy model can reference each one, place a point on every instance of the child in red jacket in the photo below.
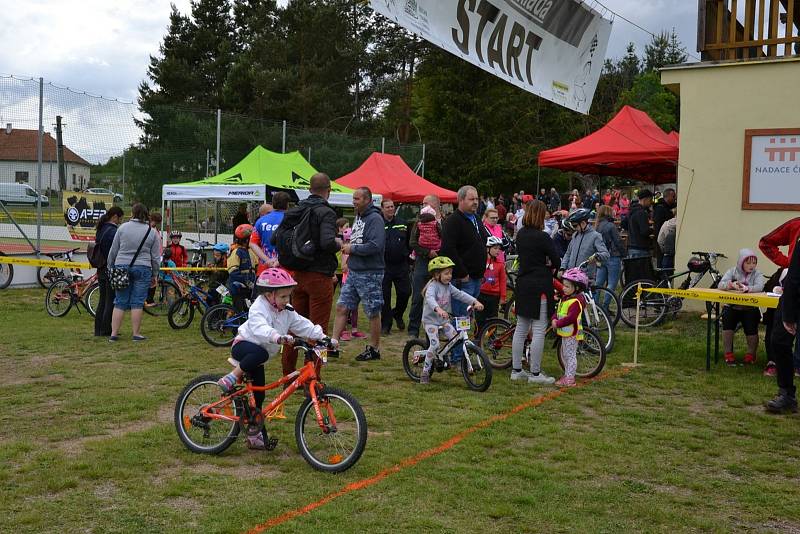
(179, 255)
(493, 289)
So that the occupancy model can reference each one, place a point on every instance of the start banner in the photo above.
(552, 48)
(82, 211)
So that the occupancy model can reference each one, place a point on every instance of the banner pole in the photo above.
(39, 150)
(635, 362)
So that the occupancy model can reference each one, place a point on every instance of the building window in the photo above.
(73, 179)
(21, 177)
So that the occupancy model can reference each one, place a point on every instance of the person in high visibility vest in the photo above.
(567, 322)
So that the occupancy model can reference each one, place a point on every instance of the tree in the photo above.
(648, 95)
(664, 49)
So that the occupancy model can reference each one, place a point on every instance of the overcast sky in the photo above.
(103, 46)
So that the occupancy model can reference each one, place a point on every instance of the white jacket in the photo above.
(265, 324)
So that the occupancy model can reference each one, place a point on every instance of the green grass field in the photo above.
(88, 444)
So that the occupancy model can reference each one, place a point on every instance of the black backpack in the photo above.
(293, 239)
(95, 255)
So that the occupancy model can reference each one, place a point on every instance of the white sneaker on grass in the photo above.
(541, 378)
(520, 375)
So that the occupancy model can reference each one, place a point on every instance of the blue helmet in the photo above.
(222, 247)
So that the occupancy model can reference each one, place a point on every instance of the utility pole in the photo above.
(219, 127)
(123, 176)
(39, 170)
(62, 168)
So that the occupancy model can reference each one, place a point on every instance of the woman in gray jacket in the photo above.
(143, 272)
(609, 272)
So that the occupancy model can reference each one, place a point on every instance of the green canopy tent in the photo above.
(255, 177)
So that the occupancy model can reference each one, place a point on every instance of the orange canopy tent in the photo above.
(388, 175)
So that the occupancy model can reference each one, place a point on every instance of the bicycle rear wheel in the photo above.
(339, 445)
(220, 323)
(591, 355)
(475, 368)
(609, 301)
(495, 340)
(652, 306)
(199, 433)
(6, 274)
(58, 300)
(47, 275)
(181, 313)
(166, 293)
(92, 299)
(413, 362)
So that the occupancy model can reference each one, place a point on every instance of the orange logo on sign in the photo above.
(787, 147)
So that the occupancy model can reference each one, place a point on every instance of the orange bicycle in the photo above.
(63, 294)
(330, 427)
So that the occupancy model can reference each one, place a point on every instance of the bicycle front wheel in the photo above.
(475, 368)
(220, 324)
(591, 355)
(337, 445)
(495, 340)
(609, 301)
(181, 313)
(166, 293)
(651, 306)
(6, 274)
(199, 433)
(596, 318)
(92, 300)
(58, 300)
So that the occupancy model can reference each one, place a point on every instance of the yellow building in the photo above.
(743, 95)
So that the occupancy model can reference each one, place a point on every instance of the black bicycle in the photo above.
(655, 307)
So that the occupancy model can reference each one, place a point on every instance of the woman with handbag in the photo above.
(133, 267)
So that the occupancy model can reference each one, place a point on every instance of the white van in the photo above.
(20, 194)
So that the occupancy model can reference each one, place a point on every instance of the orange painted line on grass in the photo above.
(414, 460)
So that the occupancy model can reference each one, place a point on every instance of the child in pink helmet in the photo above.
(567, 322)
(270, 323)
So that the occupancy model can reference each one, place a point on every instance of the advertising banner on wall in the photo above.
(551, 48)
(82, 211)
(772, 169)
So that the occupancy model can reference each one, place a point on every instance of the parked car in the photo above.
(103, 191)
(21, 194)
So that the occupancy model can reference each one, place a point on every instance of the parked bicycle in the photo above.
(220, 324)
(496, 341)
(654, 307)
(47, 275)
(165, 294)
(181, 313)
(63, 294)
(475, 366)
(6, 273)
(330, 427)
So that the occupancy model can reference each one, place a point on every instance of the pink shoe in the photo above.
(771, 370)
(566, 382)
(356, 333)
(256, 442)
(345, 336)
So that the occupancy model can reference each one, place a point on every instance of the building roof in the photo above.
(23, 145)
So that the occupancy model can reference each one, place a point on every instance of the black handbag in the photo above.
(120, 277)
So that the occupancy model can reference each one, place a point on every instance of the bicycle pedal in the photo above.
(270, 444)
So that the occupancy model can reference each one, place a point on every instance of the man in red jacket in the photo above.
(786, 235)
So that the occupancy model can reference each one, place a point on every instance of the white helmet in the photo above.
(492, 241)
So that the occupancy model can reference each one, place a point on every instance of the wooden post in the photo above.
(635, 362)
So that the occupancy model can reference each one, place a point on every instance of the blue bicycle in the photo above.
(220, 324)
(181, 313)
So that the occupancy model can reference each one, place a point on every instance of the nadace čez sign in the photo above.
(81, 213)
(552, 48)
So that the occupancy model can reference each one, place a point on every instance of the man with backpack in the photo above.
(307, 245)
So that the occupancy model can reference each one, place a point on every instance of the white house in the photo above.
(18, 161)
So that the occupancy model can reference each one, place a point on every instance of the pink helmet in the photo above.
(347, 233)
(275, 278)
(577, 276)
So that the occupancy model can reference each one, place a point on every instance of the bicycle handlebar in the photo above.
(709, 254)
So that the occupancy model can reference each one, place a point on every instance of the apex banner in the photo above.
(82, 211)
(552, 48)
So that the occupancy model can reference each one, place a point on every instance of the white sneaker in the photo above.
(541, 378)
(520, 375)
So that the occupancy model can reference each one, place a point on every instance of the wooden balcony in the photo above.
(747, 29)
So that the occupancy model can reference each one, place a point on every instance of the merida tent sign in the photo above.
(552, 48)
(772, 169)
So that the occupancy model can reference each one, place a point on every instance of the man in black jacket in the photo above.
(662, 212)
(396, 254)
(640, 240)
(784, 331)
(313, 296)
(464, 242)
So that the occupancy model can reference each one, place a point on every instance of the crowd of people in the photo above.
(441, 266)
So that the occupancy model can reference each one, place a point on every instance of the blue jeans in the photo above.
(471, 287)
(608, 276)
(638, 253)
(132, 297)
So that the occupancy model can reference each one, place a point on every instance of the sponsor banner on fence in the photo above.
(82, 211)
(760, 300)
(217, 192)
(552, 48)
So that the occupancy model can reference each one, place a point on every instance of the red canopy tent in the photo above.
(388, 175)
(630, 145)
